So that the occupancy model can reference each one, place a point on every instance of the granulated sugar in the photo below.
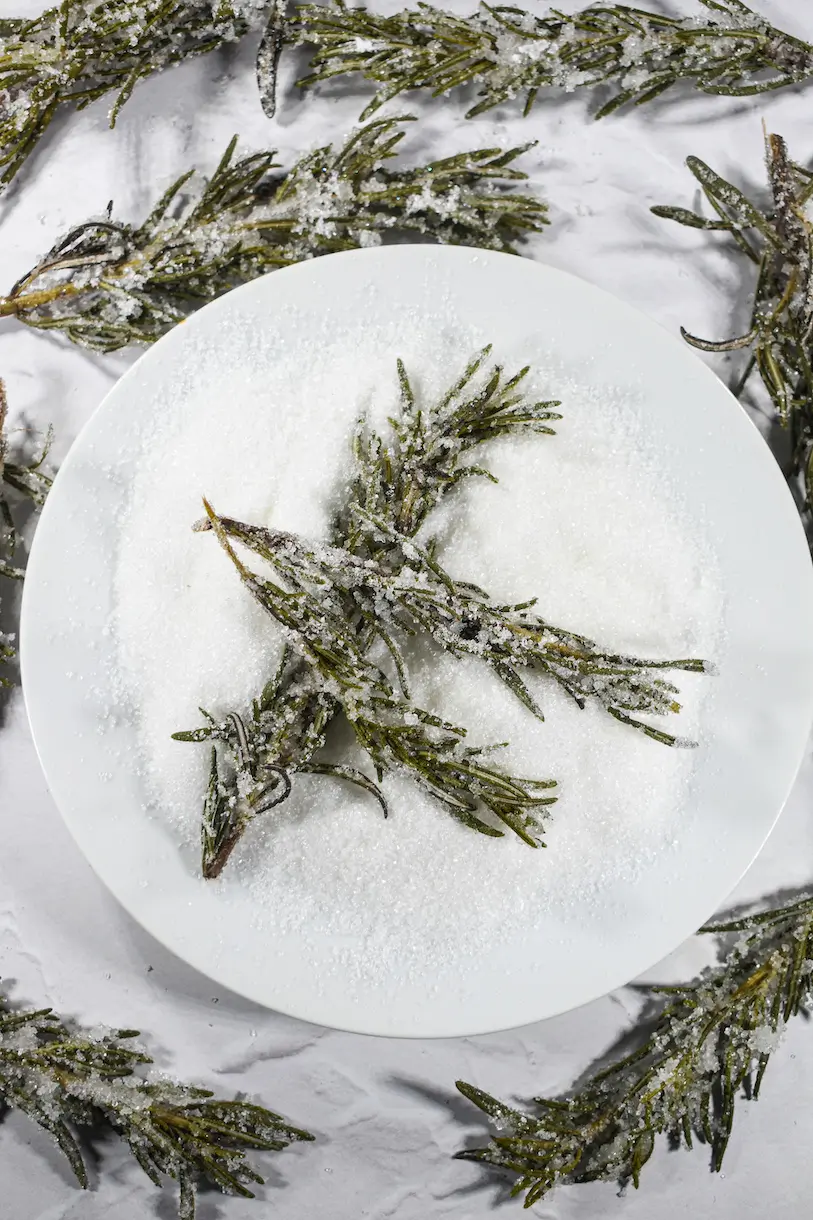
(586, 521)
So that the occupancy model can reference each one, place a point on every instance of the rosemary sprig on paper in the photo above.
(25, 478)
(710, 1045)
(81, 50)
(18, 478)
(63, 1079)
(508, 52)
(777, 240)
(406, 479)
(107, 284)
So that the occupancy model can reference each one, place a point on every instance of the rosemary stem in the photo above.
(16, 305)
(214, 867)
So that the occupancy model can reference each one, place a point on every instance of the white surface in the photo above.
(591, 924)
(384, 1110)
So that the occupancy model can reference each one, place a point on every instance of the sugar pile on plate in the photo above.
(586, 521)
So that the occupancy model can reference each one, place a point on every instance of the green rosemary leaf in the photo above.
(39, 1112)
(195, 735)
(11, 573)
(726, 195)
(402, 481)
(107, 284)
(63, 1078)
(507, 52)
(215, 826)
(691, 219)
(351, 774)
(81, 50)
(268, 56)
(726, 345)
(711, 1039)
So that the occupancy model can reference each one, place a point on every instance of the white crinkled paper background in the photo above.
(385, 1112)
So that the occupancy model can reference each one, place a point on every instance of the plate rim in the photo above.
(31, 590)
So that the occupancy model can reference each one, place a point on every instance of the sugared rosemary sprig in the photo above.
(403, 478)
(376, 583)
(25, 478)
(777, 240)
(411, 593)
(81, 50)
(709, 1045)
(107, 284)
(63, 1078)
(18, 478)
(7, 653)
(333, 638)
(392, 493)
(509, 52)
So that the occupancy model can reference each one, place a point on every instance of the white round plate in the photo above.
(762, 702)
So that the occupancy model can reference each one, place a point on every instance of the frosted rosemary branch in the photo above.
(404, 478)
(507, 52)
(81, 50)
(7, 653)
(777, 240)
(107, 284)
(63, 1078)
(376, 583)
(388, 505)
(18, 478)
(333, 640)
(709, 1045)
(418, 596)
(25, 478)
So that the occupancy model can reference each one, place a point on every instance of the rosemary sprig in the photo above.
(18, 478)
(106, 284)
(81, 50)
(7, 653)
(404, 479)
(778, 241)
(507, 51)
(323, 626)
(712, 1041)
(337, 600)
(401, 480)
(27, 479)
(63, 1078)
(418, 595)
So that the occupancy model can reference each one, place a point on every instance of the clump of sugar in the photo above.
(585, 521)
